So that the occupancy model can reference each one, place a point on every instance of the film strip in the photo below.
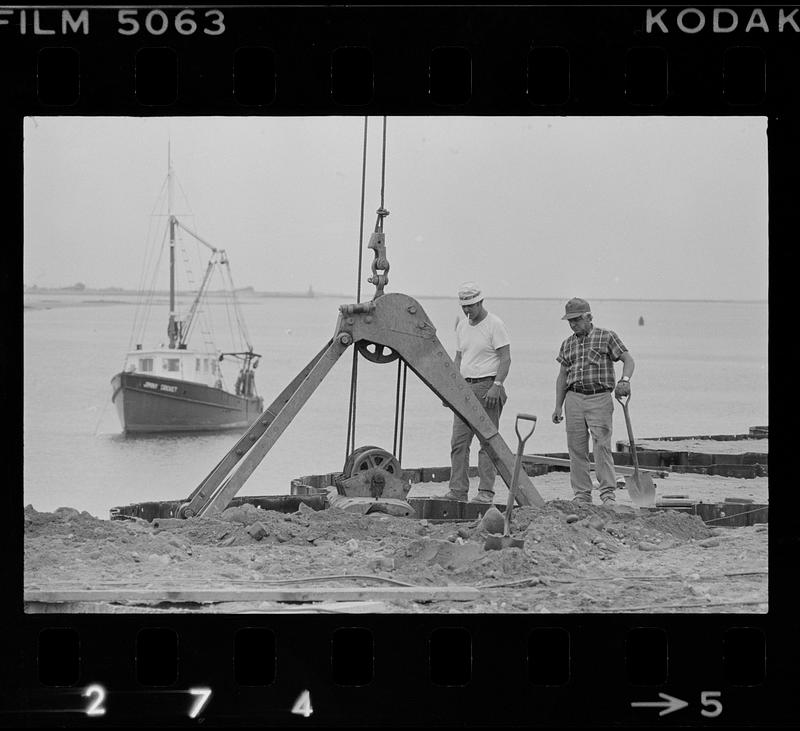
(627, 664)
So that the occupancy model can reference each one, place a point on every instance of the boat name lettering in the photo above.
(130, 22)
(161, 387)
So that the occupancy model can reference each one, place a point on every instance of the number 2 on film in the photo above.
(96, 694)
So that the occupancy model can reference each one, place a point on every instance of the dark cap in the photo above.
(575, 308)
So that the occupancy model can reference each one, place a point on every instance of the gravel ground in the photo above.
(708, 446)
(584, 559)
(702, 488)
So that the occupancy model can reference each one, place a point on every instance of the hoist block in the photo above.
(368, 457)
(374, 483)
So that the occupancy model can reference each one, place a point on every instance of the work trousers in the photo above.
(590, 415)
(460, 444)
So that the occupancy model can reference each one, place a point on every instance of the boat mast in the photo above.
(172, 326)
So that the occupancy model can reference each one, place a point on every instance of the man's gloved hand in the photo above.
(623, 388)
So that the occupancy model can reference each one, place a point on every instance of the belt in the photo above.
(589, 391)
(478, 380)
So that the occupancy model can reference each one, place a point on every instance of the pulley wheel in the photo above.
(348, 463)
(376, 353)
(367, 458)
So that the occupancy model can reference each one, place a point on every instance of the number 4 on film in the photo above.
(302, 706)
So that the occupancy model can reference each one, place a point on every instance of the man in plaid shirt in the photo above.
(583, 388)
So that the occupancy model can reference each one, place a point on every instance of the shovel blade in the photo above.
(642, 490)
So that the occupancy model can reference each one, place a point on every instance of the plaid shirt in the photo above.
(590, 359)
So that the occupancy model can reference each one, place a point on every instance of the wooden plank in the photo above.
(362, 607)
(558, 462)
(321, 594)
(88, 608)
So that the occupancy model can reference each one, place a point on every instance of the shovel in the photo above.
(642, 491)
(493, 542)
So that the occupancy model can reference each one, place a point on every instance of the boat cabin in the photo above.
(183, 365)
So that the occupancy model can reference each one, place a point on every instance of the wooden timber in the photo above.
(203, 596)
(357, 607)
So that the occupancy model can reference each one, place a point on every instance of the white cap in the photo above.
(469, 293)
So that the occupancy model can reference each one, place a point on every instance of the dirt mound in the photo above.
(65, 521)
(247, 524)
(563, 543)
(558, 537)
(556, 530)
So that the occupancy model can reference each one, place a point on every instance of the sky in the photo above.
(596, 207)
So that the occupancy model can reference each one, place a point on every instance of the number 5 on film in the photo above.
(709, 698)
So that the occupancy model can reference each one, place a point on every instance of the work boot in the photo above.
(483, 497)
(607, 497)
(450, 495)
(584, 498)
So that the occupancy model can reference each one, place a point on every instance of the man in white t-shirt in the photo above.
(483, 356)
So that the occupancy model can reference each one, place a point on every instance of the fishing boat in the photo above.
(180, 385)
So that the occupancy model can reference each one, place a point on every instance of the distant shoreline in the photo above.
(249, 293)
(55, 303)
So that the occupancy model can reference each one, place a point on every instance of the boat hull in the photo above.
(151, 404)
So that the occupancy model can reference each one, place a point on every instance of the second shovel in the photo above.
(643, 493)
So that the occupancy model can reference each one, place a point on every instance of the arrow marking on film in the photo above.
(669, 704)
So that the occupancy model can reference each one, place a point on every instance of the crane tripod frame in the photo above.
(394, 321)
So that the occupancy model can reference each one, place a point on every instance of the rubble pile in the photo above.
(248, 544)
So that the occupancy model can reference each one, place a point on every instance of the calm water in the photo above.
(701, 369)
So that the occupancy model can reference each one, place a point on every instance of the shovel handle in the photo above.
(631, 442)
(512, 488)
(624, 403)
(522, 440)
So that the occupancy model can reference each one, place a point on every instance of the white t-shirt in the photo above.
(478, 345)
